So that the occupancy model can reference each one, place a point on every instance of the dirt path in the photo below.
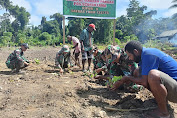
(42, 93)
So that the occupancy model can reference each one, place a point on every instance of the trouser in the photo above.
(20, 65)
(63, 62)
(15, 64)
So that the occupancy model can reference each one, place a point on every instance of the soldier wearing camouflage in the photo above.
(62, 59)
(16, 59)
(97, 60)
(117, 62)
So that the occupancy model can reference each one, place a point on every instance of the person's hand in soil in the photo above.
(98, 70)
(119, 83)
(26, 64)
(108, 86)
(97, 77)
(61, 71)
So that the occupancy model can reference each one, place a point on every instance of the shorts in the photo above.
(87, 54)
(171, 86)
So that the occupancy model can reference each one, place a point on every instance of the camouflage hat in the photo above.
(65, 48)
(111, 50)
(25, 45)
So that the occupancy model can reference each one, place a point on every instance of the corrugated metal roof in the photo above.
(168, 33)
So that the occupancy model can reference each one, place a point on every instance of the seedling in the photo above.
(37, 61)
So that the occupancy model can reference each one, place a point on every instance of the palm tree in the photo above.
(174, 6)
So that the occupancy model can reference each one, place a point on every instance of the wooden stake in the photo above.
(114, 32)
(128, 110)
(75, 61)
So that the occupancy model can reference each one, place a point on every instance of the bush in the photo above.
(4, 40)
(45, 38)
(8, 34)
(153, 44)
(21, 38)
(117, 41)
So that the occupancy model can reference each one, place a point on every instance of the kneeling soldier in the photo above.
(16, 60)
(62, 59)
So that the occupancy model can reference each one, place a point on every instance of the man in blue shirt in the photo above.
(87, 45)
(157, 72)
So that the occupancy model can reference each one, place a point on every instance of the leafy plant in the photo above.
(113, 80)
(36, 61)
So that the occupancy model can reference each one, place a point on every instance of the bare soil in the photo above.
(41, 92)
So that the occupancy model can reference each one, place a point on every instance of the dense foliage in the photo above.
(136, 25)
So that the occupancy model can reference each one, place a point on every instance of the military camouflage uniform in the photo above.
(16, 60)
(127, 66)
(62, 60)
(98, 61)
(124, 67)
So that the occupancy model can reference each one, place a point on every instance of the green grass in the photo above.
(153, 44)
(163, 46)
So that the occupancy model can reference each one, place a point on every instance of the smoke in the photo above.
(174, 40)
(143, 28)
(150, 28)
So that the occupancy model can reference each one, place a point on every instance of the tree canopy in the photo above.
(138, 24)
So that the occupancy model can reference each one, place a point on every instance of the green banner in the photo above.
(103, 9)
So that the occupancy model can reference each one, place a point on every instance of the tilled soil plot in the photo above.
(41, 92)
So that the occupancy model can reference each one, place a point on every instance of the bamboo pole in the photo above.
(63, 29)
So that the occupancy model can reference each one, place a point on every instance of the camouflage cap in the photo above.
(111, 50)
(65, 48)
(25, 45)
